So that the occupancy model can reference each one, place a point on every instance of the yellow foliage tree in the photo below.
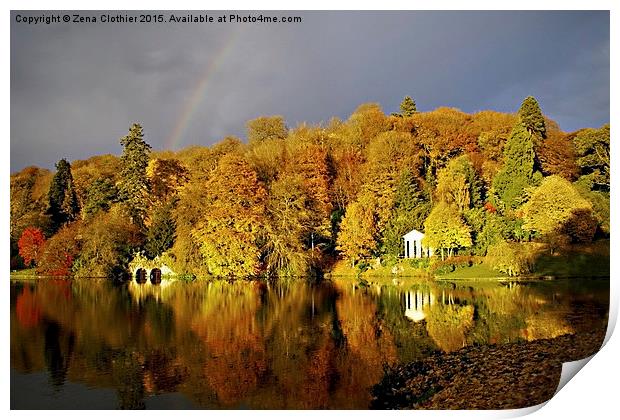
(445, 229)
(234, 211)
(358, 230)
(556, 207)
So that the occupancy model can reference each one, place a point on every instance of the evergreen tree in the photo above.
(99, 196)
(410, 209)
(62, 200)
(161, 233)
(408, 107)
(532, 118)
(593, 158)
(70, 205)
(134, 185)
(518, 171)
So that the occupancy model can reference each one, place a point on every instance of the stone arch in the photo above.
(140, 276)
(155, 276)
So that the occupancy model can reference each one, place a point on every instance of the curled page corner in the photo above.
(611, 322)
(519, 412)
(569, 370)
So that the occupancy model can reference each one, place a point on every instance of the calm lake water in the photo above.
(91, 344)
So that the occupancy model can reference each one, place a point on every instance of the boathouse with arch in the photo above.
(144, 270)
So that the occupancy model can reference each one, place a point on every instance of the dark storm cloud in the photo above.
(75, 89)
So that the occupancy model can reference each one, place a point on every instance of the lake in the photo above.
(92, 344)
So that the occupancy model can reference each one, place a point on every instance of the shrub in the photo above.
(512, 258)
(421, 263)
(451, 264)
(362, 266)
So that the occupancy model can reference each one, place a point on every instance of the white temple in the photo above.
(413, 245)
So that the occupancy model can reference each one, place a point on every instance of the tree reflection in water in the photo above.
(271, 344)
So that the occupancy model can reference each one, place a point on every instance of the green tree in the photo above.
(518, 171)
(266, 128)
(411, 207)
(600, 205)
(408, 107)
(487, 229)
(100, 195)
(388, 155)
(62, 201)
(531, 117)
(134, 183)
(161, 233)
(592, 150)
(445, 230)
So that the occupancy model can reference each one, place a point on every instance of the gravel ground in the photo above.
(485, 377)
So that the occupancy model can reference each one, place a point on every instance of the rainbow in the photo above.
(200, 89)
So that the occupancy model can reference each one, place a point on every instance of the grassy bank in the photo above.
(378, 269)
(26, 273)
(573, 264)
(583, 260)
(480, 271)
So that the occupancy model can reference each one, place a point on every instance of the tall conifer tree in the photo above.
(408, 107)
(532, 118)
(134, 186)
(62, 201)
(518, 172)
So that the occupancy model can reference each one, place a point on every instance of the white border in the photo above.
(591, 395)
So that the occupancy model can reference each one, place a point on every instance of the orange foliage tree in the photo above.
(59, 253)
(31, 244)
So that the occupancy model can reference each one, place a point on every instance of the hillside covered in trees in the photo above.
(294, 201)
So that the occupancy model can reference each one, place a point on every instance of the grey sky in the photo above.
(76, 88)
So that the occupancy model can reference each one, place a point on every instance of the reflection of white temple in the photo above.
(416, 302)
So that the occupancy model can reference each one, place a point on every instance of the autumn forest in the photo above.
(488, 188)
